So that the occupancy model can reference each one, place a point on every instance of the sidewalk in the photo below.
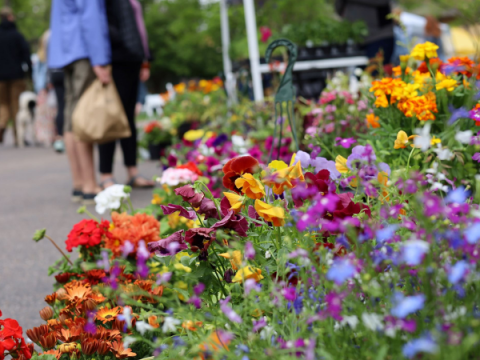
(35, 191)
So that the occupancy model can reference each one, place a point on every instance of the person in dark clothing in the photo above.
(380, 28)
(15, 63)
(130, 54)
(57, 79)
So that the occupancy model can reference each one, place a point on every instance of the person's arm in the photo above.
(95, 31)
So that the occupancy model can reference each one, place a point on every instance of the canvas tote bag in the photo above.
(99, 116)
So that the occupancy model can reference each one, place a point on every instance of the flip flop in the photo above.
(133, 184)
(106, 181)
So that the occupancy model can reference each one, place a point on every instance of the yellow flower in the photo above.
(402, 140)
(250, 186)
(235, 258)
(67, 347)
(435, 141)
(182, 286)
(341, 164)
(449, 84)
(246, 273)
(270, 213)
(192, 135)
(180, 88)
(157, 200)
(422, 51)
(381, 101)
(277, 165)
(404, 58)
(285, 178)
(173, 220)
(180, 266)
(236, 201)
(292, 161)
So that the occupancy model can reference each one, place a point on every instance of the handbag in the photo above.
(99, 116)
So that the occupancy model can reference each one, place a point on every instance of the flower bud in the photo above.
(228, 276)
(46, 313)
(61, 294)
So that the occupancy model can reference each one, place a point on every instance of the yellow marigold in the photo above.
(402, 140)
(236, 201)
(273, 214)
(285, 178)
(248, 272)
(250, 186)
(449, 84)
(404, 58)
(235, 258)
(341, 164)
(422, 51)
(381, 101)
(372, 121)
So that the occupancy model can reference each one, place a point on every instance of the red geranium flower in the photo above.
(235, 168)
(87, 233)
(192, 167)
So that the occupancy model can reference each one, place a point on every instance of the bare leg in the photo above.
(139, 181)
(107, 180)
(73, 160)
(85, 156)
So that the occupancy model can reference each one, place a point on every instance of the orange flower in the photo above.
(192, 326)
(217, 340)
(190, 166)
(105, 314)
(250, 186)
(372, 121)
(235, 168)
(285, 178)
(120, 352)
(153, 321)
(275, 215)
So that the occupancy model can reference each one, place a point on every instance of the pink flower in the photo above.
(266, 33)
(346, 143)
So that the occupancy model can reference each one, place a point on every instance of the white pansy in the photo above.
(351, 321)
(423, 139)
(464, 137)
(110, 198)
(372, 321)
(170, 324)
(143, 327)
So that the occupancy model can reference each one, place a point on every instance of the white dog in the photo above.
(26, 117)
(154, 104)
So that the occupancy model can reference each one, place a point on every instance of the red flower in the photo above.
(63, 278)
(87, 233)
(11, 328)
(151, 126)
(435, 63)
(235, 168)
(192, 167)
(189, 195)
(347, 208)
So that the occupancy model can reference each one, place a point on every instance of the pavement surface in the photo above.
(35, 190)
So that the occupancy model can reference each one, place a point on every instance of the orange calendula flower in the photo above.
(372, 121)
(426, 50)
(250, 186)
(248, 272)
(285, 178)
(235, 258)
(273, 214)
(403, 140)
(105, 314)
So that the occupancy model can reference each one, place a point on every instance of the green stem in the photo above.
(91, 215)
(409, 157)
(131, 205)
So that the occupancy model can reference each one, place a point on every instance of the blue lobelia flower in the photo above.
(457, 196)
(407, 305)
(386, 233)
(424, 344)
(340, 271)
(458, 272)
(413, 251)
(472, 233)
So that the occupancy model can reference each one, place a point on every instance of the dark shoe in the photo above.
(2, 132)
(77, 196)
(88, 199)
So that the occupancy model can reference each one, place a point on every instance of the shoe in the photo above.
(59, 146)
(2, 132)
(88, 199)
(77, 196)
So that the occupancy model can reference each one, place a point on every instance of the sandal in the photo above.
(88, 199)
(77, 195)
(133, 183)
(107, 181)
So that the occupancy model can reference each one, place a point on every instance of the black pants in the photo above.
(126, 77)
(57, 80)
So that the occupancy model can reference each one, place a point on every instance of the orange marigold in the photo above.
(372, 121)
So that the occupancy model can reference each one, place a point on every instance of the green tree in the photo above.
(33, 17)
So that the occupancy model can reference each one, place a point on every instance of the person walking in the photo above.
(57, 81)
(80, 45)
(130, 54)
(15, 64)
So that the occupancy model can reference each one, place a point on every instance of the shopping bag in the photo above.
(99, 116)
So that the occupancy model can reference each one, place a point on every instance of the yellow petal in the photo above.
(277, 165)
(341, 164)
(193, 135)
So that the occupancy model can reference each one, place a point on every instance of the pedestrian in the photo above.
(130, 54)
(80, 45)
(375, 14)
(57, 81)
(15, 64)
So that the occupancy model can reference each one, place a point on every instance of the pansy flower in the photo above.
(273, 214)
(235, 168)
(287, 177)
(403, 140)
(250, 186)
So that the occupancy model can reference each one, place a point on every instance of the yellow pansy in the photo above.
(449, 84)
(435, 141)
(292, 161)
(250, 186)
(173, 220)
(285, 178)
(277, 165)
(341, 164)
(422, 51)
(235, 258)
(236, 201)
(181, 254)
(402, 140)
(180, 266)
(248, 272)
(156, 200)
(273, 214)
(192, 135)
(182, 286)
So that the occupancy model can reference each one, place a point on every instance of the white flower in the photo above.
(128, 340)
(268, 254)
(464, 137)
(358, 72)
(372, 321)
(126, 316)
(174, 177)
(422, 141)
(267, 332)
(170, 324)
(443, 154)
(110, 198)
(239, 144)
(351, 321)
(142, 327)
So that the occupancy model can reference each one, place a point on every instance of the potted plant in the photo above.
(155, 139)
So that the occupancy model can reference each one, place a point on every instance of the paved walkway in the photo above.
(35, 193)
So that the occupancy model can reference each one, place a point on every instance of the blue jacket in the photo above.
(79, 30)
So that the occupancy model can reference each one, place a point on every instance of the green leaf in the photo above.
(382, 352)
(39, 235)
